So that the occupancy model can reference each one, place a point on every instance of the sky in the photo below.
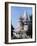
(17, 11)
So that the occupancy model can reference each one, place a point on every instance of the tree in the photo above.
(29, 32)
(12, 28)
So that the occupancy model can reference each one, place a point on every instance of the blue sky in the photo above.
(17, 11)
